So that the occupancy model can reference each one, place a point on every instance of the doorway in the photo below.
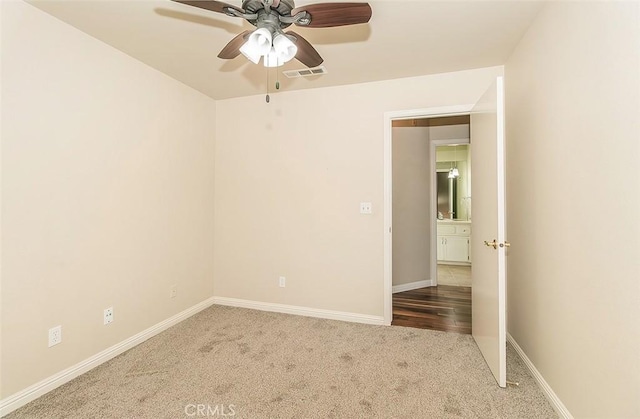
(489, 242)
(389, 117)
(431, 195)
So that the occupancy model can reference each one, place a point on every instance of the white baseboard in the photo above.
(412, 286)
(23, 397)
(454, 263)
(555, 401)
(300, 311)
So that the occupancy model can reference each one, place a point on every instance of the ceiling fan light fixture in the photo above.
(258, 44)
(272, 16)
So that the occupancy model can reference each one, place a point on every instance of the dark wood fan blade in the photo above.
(306, 54)
(232, 49)
(326, 15)
(214, 6)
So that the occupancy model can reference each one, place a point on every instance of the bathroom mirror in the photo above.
(447, 190)
(453, 194)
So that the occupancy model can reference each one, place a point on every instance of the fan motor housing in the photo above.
(268, 19)
(254, 6)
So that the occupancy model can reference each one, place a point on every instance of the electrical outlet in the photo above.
(108, 315)
(55, 335)
(365, 208)
(282, 281)
(173, 292)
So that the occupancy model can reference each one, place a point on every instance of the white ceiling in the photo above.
(403, 39)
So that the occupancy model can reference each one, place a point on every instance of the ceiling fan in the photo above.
(270, 17)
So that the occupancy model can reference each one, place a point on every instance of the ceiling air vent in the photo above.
(305, 72)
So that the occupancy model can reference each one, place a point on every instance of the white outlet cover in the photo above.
(282, 281)
(365, 208)
(55, 335)
(108, 315)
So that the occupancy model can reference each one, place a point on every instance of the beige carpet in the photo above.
(231, 362)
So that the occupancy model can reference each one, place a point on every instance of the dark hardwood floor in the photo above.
(446, 308)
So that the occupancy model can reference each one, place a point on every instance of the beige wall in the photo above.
(411, 205)
(107, 195)
(107, 171)
(573, 109)
(289, 179)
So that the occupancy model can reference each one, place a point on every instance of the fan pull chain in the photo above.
(277, 79)
(267, 98)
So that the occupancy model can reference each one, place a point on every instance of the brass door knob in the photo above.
(505, 244)
(493, 244)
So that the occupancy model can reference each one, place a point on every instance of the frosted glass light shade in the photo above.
(285, 49)
(258, 44)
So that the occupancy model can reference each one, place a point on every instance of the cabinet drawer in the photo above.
(463, 230)
(446, 229)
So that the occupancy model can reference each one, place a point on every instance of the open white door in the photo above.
(488, 243)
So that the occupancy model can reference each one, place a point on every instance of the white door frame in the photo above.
(389, 117)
